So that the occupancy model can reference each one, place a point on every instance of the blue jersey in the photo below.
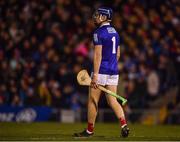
(108, 37)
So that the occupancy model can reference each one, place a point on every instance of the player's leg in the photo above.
(93, 99)
(114, 104)
(94, 96)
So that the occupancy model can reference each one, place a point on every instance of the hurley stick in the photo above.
(83, 78)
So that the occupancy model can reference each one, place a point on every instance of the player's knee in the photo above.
(111, 103)
(93, 101)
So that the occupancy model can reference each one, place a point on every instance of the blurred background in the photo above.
(45, 43)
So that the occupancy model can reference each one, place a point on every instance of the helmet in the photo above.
(105, 11)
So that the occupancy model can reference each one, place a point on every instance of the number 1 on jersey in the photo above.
(114, 45)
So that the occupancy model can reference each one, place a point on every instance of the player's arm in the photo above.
(118, 53)
(97, 58)
(96, 64)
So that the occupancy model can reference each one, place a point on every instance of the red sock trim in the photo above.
(122, 121)
(90, 127)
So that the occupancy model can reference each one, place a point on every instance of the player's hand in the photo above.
(94, 81)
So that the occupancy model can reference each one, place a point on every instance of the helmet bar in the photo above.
(104, 11)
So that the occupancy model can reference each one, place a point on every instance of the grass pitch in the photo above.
(103, 132)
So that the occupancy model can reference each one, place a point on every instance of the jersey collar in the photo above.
(105, 24)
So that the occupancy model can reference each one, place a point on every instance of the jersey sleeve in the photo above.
(119, 40)
(97, 39)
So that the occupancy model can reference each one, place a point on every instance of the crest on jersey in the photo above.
(95, 37)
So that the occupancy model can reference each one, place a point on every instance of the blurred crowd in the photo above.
(45, 43)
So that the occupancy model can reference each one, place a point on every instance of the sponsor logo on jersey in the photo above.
(111, 30)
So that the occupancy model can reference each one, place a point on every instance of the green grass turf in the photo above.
(103, 132)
